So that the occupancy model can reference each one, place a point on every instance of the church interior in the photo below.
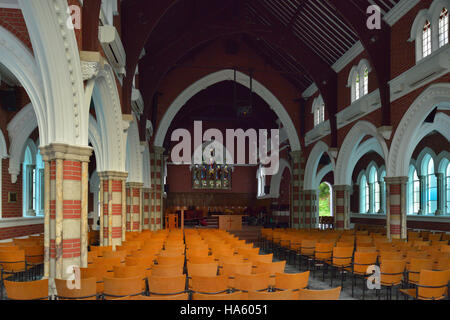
(224, 150)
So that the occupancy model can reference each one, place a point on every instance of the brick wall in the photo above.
(10, 210)
(14, 232)
(12, 20)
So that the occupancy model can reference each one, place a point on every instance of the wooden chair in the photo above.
(361, 262)
(341, 261)
(98, 272)
(87, 290)
(200, 259)
(391, 276)
(31, 290)
(121, 287)
(182, 296)
(12, 263)
(322, 256)
(331, 294)
(170, 260)
(414, 268)
(432, 285)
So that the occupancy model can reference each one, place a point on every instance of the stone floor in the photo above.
(316, 282)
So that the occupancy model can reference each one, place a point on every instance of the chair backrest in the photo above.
(31, 290)
(182, 296)
(224, 296)
(128, 271)
(366, 249)
(277, 295)
(331, 294)
(167, 285)
(170, 270)
(437, 279)
(291, 281)
(416, 266)
(202, 284)
(86, 291)
(12, 261)
(202, 269)
(362, 260)
(121, 287)
(115, 254)
(164, 260)
(251, 282)
(34, 254)
(233, 268)
(308, 247)
(272, 268)
(324, 250)
(392, 271)
(342, 256)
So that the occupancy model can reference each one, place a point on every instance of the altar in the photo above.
(230, 222)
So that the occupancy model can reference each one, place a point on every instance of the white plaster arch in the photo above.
(18, 59)
(108, 112)
(95, 138)
(57, 57)
(275, 181)
(227, 75)
(442, 161)
(3, 149)
(411, 129)
(313, 162)
(351, 150)
(19, 129)
(134, 154)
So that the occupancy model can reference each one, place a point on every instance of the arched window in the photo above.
(319, 111)
(364, 195)
(443, 28)
(426, 39)
(383, 192)
(359, 80)
(413, 192)
(33, 183)
(448, 188)
(431, 188)
(261, 182)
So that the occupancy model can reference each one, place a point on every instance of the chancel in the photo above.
(224, 150)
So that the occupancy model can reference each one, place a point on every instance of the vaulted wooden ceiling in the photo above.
(301, 39)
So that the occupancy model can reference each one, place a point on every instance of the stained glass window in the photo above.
(211, 175)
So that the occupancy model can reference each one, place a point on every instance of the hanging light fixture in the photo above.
(244, 108)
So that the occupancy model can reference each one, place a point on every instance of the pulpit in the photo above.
(230, 222)
(171, 221)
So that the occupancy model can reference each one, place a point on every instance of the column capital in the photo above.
(66, 152)
(113, 175)
(342, 188)
(396, 180)
(134, 184)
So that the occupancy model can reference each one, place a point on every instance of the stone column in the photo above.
(441, 194)
(66, 204)
(157, 192)
(423, 195)
(111, 207)
(342, 207)
(297, 216)
(311, 209)
(396, 207)
(146, 208)
(372, 197)
(134, 206)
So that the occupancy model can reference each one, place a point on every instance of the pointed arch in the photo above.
(312, 164)
(226, 75)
